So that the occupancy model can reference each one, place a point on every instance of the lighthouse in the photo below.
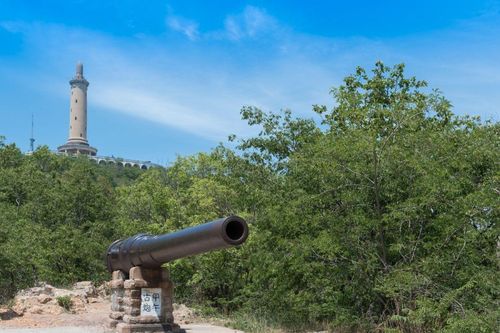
(77, 140)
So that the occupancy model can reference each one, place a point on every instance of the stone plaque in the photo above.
(151, 302)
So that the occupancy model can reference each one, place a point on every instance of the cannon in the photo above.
(149, 251)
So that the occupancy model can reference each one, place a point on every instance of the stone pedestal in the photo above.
(142, 302)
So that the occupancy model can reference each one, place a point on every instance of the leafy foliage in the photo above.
(382, 218)
(64, 302)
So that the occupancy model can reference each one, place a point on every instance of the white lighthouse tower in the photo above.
(77, 140)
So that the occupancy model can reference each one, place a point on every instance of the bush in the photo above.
(64, 302)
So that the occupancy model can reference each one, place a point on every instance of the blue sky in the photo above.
(168, 78)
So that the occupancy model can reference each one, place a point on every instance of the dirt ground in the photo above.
(192, 328)
(96, 313)
(94, 320)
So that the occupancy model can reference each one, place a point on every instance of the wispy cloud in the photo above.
(200, 89)
(251, 23)
(185, 26)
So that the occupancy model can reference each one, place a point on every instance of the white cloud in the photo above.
(233, 29)
(200, 89)
(251, 23)
(183, 25)
(159, 109)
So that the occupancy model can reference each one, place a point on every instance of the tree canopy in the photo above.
(383, 217)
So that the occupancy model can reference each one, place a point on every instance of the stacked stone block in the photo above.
(126, 301)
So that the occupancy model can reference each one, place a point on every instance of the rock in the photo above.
(35, 309)
(86, 288)
(24, 303)
(19, 309)
(116, 315)
(112, 323)
(43, 298)
(78, 304)
(6, 314)
(104, 290)
(52, 309)
(65, 292)
(43, 288)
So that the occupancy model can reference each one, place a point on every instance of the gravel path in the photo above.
(53, 330)
(191, 328)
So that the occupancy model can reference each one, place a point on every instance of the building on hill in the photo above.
(77, 140)
(77, 143)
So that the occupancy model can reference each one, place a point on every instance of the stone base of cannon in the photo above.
(142, 302)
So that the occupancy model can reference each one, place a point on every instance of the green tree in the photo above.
(55, 217)
(382, 218)
(372, 227)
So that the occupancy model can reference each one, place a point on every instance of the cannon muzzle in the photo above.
(152, 251)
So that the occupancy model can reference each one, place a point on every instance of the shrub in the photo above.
(64, 302)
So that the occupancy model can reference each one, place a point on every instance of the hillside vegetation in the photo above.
(383, 217)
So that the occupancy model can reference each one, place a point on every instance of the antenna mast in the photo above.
(32, 139)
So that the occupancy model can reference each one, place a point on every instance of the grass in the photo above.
(251, 323)
(241, 320)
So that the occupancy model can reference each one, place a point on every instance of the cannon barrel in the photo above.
(152, 251)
